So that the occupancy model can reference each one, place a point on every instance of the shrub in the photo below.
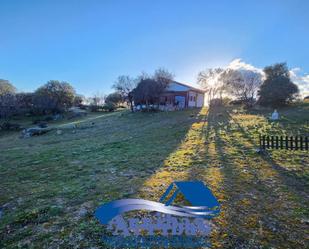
(109, 106)
(94, 108)
(54, 97)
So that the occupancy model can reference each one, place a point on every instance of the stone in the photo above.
(59, 132)
(42, 125)
(10, 126)
(57, 117)
(35, 131)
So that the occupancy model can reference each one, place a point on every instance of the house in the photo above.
(179, 95)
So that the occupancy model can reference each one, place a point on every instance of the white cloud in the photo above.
(301, 80)
(239, 64)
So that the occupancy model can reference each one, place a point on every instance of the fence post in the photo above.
(287, 142)
(296, 143)
(281, 142)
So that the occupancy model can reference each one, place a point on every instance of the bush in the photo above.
(94, 108)
(109, 106)
(114, 98)
(54, 97)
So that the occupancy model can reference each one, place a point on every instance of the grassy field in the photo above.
(50, 185)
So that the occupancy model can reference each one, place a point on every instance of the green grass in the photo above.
(51, 184)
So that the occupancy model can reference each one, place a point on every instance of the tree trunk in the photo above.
(131, 105)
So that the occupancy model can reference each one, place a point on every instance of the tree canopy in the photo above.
(114, 98)
(6, 87)
(54, 96)
(149, 88)
(277, 88)
(242, 84)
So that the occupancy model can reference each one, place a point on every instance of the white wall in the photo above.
(200, 100)
(191, 103)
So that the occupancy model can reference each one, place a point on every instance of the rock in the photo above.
(76, 112)
(84, 210)
(35, 131)
(59, 132)
(305, 221)
(48, 118)
(57, 117)
(42, 125)
(7, 126)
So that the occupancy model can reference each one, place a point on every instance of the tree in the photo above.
(78, 100)
(162, 76)
(242, 84)
(114, 98)
(54, 96)
(96, 101)
(147, 92)
(7, 105)
(6, 87)
(210, 80)
(24, 102)
(149, 88)
(277, 88)
(124, 85)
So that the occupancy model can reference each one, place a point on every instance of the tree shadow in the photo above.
(244, 183)
(290, 178)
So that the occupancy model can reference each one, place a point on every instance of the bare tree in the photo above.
(243, 84)
(163, 76)
(210, 80)
(124, 85)
(96, 101)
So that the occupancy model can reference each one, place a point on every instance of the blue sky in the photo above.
(89, 43)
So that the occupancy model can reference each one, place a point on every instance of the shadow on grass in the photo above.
(247, 178)
(290, 178)
(79, 172)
